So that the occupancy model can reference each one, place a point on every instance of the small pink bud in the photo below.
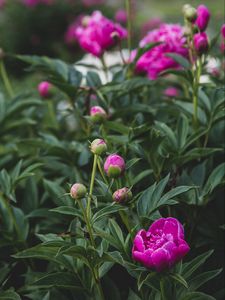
(98, 147)
(78, 191)
(121, 16)
(45, 89)
(122, 195)
(201, 43)
(223, 31)
(98, 114)
(114, 165)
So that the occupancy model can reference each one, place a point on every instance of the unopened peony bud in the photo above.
(114, 165)
(98, 114)
(78, 191)
(190, 14)
(201, 43)
(122, 195)
(45, 89)
(98, 147)
(203, 17)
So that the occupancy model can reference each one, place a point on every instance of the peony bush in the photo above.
(113, 188)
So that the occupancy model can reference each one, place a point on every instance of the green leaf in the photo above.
(196, 282)
(143, 50)
(67, 210)
(177, 277)
(116, 126)
(180, 60)
(9, 295)
(132, 296)
(214, 179)
(190, 267)
(64, 280)
(107, 210)
(197, 296)
(145, 277)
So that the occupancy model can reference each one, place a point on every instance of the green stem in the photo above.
(129, 26)
(101, 172)
(162, 290)
(105, 69)
(5, 78)
(125, 220)
(195, 91)
(92, 185)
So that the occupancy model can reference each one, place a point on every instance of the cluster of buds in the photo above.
(114, 167)
(197, 21)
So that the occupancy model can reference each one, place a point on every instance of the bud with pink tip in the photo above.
(122, 195)
(203, 17)
(201, 43)
(190, 13)
(45, 89)
(98, 114)
(114, 165)
(171, 92)
(78, 191)
(98, 147)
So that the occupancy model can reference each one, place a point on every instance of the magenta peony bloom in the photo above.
(155, 60)
(162, 246)
(44, 89)
(203, 16)
(98, 34)
(201, 43)
(70, 36)
(171, 92)
(121, 16)
(114, 165)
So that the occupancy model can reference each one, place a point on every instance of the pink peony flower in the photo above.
(201, 43)
(203, 16)
(171, 92)
(44, 89)
(114, 165)
(162, 246)
(98, 34)
(121, 16)
(155, 60)
(70, 36)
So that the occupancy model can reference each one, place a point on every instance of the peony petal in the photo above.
(144, 258)
(138, 241)
(157, 225)
(160, 259)
(174, 227)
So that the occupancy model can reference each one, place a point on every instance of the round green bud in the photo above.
(98, 147)
(78, 191)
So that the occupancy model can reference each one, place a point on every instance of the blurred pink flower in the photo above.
(98, 33)
(121, 16)
(2, 3)
(171, 92)
(155, 60)
(70, 36)
(45, 89)
(33, 3)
